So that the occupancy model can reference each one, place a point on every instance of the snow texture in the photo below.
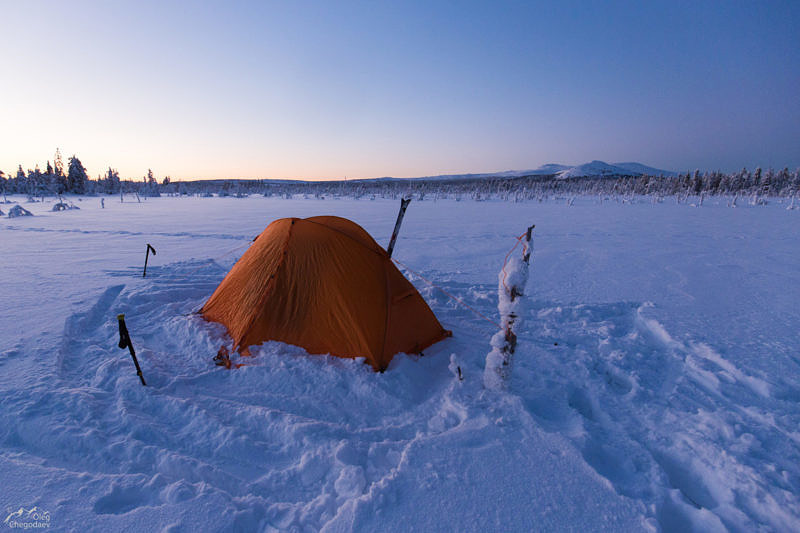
(656, 381)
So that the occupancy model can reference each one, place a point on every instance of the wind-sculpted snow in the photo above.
(665, 421)
(288, 440)
(655, 384)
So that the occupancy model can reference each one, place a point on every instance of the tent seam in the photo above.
(271, 284)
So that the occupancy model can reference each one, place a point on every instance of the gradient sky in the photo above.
(367, 89)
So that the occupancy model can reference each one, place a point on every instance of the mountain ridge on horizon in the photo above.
(592, 168)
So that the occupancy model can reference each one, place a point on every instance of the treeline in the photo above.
(760, 184)
(54, 180)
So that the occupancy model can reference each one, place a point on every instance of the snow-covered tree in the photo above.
(76, 176)
(37, 185)
(112, 183)
(60, 178)
(150, 184)
(58, 164)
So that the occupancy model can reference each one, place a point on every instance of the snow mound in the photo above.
(19, 211)
(63, 206)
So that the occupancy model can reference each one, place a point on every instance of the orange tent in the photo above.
(324, 284)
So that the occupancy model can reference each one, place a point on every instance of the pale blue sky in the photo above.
(367, 89)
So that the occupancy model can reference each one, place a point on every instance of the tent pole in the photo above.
(403, 205)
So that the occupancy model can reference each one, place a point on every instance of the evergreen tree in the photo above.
(15, 182)
(794, 186)
(76, 176)
(151, 184)
(766, 183)
(697, 182)
(58, 164)
(61, 178)
(36, 182)
(112, 183)
(756, 182)
(50, 180)
(783, 181)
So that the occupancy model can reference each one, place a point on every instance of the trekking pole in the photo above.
(403, 205)
(125, 342)
(146, 257)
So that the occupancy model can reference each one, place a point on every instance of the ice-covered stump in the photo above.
(63, 206)
(19, 211)
(511, 287)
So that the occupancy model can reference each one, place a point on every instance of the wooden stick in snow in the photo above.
(504, 343)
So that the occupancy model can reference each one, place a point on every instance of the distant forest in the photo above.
(757, 185)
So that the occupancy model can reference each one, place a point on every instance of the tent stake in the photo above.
(146, 256)
(403, 204)
(125, 342)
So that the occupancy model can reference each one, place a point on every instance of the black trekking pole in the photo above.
(125, 342)
(403, 205)
(146, 256)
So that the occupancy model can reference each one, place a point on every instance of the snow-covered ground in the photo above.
(656, 382)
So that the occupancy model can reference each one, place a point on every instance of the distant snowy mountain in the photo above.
(644, 169)
(595, 168)
(550, 168)
(601, 168)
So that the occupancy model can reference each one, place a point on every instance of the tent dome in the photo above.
(324, 284)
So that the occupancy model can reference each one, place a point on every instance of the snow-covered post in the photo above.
(513, 278)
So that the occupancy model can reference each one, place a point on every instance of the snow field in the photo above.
(655, 382)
